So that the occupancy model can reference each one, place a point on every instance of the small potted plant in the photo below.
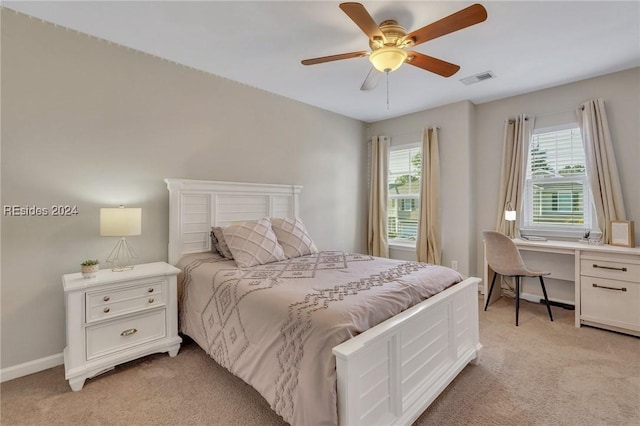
(89, 268)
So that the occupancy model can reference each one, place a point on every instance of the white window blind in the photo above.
(404, 193)
(556, 187)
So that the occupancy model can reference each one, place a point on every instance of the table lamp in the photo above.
(509, 216)
(121, 222)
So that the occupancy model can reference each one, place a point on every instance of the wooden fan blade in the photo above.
(362, 19)
(434, 65)
(372, 79)
(334, 57)
(464, 18)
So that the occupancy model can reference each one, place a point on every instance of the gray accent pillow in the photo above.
(253, 243)
(221, 246)
(293, 237)
(214, 243)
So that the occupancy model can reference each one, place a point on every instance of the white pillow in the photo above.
(253, 243)
(293, 237)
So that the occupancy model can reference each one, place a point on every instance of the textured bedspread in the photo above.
(274, 325)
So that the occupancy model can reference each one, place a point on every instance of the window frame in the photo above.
(402, 242)
(525, 220)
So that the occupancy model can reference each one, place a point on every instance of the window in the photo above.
(556, 193)
(404, 193)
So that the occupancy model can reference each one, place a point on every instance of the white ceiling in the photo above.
(529, 45)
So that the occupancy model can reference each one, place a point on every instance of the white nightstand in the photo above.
(117, 317)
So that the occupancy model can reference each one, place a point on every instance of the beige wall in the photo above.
(456, 167)
(621, 92)
(471, 150)
(91, 124)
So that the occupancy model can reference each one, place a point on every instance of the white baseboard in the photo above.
(535, 298)
(31, 367)
(531, 297)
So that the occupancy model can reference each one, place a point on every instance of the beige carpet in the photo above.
(540, 373)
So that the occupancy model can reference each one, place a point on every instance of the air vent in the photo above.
(487, 75)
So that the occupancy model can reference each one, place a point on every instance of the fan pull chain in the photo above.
(387, 72)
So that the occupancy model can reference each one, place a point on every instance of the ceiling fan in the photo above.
(389, 42)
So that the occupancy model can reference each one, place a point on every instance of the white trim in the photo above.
(396, 198)
(31, 367)
(403, 246)
(569, 125)
(403, 146)
(530, 297)
(557, 230)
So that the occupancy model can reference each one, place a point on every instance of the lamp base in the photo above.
(122, 257)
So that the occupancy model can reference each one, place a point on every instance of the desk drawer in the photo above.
(610, 269)
(121, 334)
(611, 302)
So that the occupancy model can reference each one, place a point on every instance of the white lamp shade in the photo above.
(120, 222)
(510, 215)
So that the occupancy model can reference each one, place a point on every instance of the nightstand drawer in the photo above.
(113, 336)
(606, 268)
(611, 302)
(119, 301)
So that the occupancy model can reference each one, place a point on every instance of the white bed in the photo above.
(441, 332)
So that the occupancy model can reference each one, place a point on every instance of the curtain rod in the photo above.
(552, 113)
(413, 133)
(407, 134)
(369, 138)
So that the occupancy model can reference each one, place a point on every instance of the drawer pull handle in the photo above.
(129, 332)
(106, 298)
(150, 290)
(106, 310)
(151, 300)
(609, 288)
(595, 265)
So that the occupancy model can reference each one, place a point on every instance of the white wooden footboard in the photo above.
(391, 373)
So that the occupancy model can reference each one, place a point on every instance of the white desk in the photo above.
(606, 281)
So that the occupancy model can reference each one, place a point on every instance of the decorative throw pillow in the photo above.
(293, 237)
(221, 246)
(253, 243)
(214, 243)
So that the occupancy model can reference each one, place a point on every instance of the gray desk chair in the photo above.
(504, 258)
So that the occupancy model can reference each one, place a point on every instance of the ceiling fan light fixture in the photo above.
(388, 58)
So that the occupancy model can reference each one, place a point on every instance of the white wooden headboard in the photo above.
(196, 205)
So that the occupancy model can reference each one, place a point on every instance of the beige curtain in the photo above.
(428, 242)
(601, 165)
(378, 194)
(517, 134)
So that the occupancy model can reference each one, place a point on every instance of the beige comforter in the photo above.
(274, 325)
